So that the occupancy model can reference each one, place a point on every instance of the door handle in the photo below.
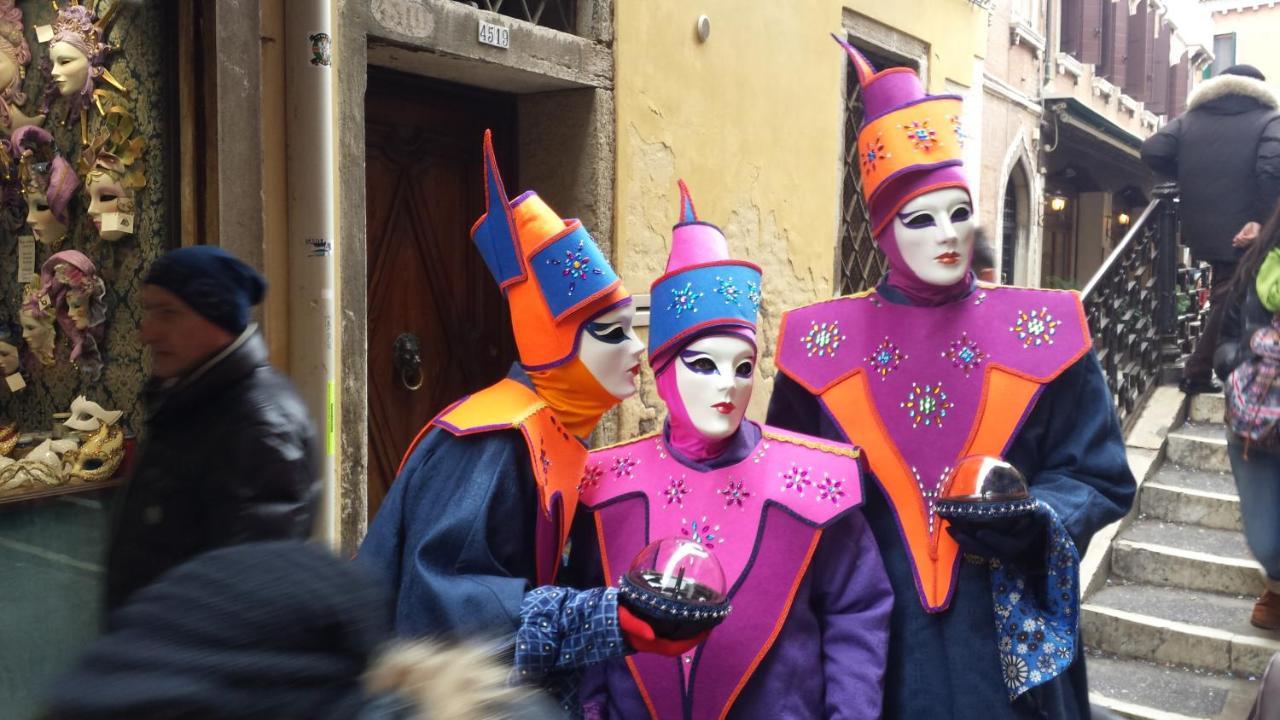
(407, 359)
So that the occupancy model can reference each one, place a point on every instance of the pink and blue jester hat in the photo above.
(702, 289)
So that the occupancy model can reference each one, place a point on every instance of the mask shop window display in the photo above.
(88, 448)
(113, 173)
(48, 183)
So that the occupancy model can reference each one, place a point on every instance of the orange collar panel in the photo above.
(555, 456)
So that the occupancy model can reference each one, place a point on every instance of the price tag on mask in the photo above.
(15, 382)
(44, 33)
(26, 258)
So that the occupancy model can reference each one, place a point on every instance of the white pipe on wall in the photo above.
(309, 161)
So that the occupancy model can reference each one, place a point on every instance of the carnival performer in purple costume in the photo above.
(779, 510)
(931, 367)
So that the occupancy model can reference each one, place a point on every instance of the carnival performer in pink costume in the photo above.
(807, 634)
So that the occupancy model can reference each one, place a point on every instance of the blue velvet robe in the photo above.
(454, 539)
(946, 666)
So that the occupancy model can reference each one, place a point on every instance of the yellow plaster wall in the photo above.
(752, 119)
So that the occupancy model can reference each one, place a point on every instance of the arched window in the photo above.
(1015, 226)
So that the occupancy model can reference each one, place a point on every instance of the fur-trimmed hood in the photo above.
(1224, 85)
(454, 682)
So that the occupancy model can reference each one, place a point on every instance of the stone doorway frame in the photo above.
(565, 84)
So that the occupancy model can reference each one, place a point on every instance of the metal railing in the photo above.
(555, 14)
(1144, 310)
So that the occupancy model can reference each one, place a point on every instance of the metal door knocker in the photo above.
(408, 360)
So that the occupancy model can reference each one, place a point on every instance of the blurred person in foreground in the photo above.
(228, 453)
(275, 630)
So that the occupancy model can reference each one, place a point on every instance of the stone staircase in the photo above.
(1167, 630)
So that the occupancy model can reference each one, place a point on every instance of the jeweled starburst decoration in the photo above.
(734, 494)
(684, 299)
(927, 405)
(965, 354)
(885, 358)
(576, 266)
(823, 339)
(1035, 328)
(922, 136)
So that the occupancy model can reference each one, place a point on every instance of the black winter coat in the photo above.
(228, 457)
(1245, 315)
(1224, 152)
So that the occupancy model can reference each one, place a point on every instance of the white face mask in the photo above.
(610, 349)
(715, 376)
(935, 235)
(88, 416)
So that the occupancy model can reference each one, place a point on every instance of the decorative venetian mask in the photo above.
(14, 56)
(715, 376)
(48, 184)
(8, 437)
(77, 58)
(934, 234)
(113, 170)
(610, 349)
(70, 280)
(88, 416)
(36, 320)
(98, 458)
(11, 344)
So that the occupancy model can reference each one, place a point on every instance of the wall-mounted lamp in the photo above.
(1057, 203)
(1123, 218)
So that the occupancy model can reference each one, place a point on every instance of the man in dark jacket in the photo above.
(228, 454)
(1224, 151)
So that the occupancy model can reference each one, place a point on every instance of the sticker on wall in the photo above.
(26, 258)
(321, 46)
(318, 247)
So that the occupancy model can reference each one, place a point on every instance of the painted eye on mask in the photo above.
(962, 213)
(744, 370)
(612, 333)
(918, 221)
(700, 364)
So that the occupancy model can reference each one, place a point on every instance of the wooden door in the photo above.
(425, 187)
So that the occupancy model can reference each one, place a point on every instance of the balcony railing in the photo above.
(1144, 310)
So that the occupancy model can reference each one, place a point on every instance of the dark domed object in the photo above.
(677, 586)
(982, 486)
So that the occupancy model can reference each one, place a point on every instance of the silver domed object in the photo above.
(984, 487)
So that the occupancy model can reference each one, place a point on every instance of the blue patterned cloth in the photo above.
(561, 631)
(1037, 627)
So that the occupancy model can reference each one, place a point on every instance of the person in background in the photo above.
(1224, 152)
(228, 453)
(1250, 307)
(278, 629)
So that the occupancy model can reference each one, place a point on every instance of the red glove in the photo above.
(640, 636)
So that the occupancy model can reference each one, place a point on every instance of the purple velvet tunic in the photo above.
(827, 653)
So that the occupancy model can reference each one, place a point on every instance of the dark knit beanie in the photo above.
(212, 282)
(277, 629)
(1245, 71)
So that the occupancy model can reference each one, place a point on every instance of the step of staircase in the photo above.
(1177, 626)
(1176, 494)
(1199, 446)
(1146, 691)
(1186, 556)
(1207, 408)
